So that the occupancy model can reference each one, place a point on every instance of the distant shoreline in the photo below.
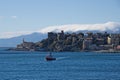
(100, 51)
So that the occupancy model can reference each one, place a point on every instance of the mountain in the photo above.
(110, 27)
(12, 42)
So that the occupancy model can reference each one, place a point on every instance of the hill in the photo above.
(12, 42)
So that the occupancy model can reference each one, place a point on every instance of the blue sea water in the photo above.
(21, 65)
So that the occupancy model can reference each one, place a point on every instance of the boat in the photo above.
(49, 57)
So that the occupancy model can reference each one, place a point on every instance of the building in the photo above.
(115, 39)
(87, 43)
(52, 36)
(100, 41)
(109, 40)
(26, 45)
(61, 36)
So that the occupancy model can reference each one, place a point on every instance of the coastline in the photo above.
(98, 51)
(73, 42)
(107, 51)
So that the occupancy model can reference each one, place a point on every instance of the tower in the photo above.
(23, 40)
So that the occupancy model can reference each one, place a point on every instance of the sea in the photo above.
(26, 65)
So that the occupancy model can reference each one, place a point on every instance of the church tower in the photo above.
(23, 40)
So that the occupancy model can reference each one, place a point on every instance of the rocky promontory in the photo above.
(74, 42)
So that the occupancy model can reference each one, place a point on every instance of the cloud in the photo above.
(111, 26)
(14, 34)
(6, 17)
(13, 17)
(1, 17)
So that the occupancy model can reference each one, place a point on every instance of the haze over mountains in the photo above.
(111, 27)
(12, 42)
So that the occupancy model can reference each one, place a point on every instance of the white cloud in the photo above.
(111, 26)
(14, 34)
(13, 17)
(6, 17)
(1, 17)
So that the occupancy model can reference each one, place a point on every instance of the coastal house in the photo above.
(109, 40)
(87, 43)
(100, 41)
(115, 39)
(26, 46)
(106, 47)
(118, 47)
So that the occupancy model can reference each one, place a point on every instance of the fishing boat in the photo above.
(50, 57)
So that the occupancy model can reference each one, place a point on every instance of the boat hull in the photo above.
(50, 58)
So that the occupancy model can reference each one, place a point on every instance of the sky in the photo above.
(19, 17)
